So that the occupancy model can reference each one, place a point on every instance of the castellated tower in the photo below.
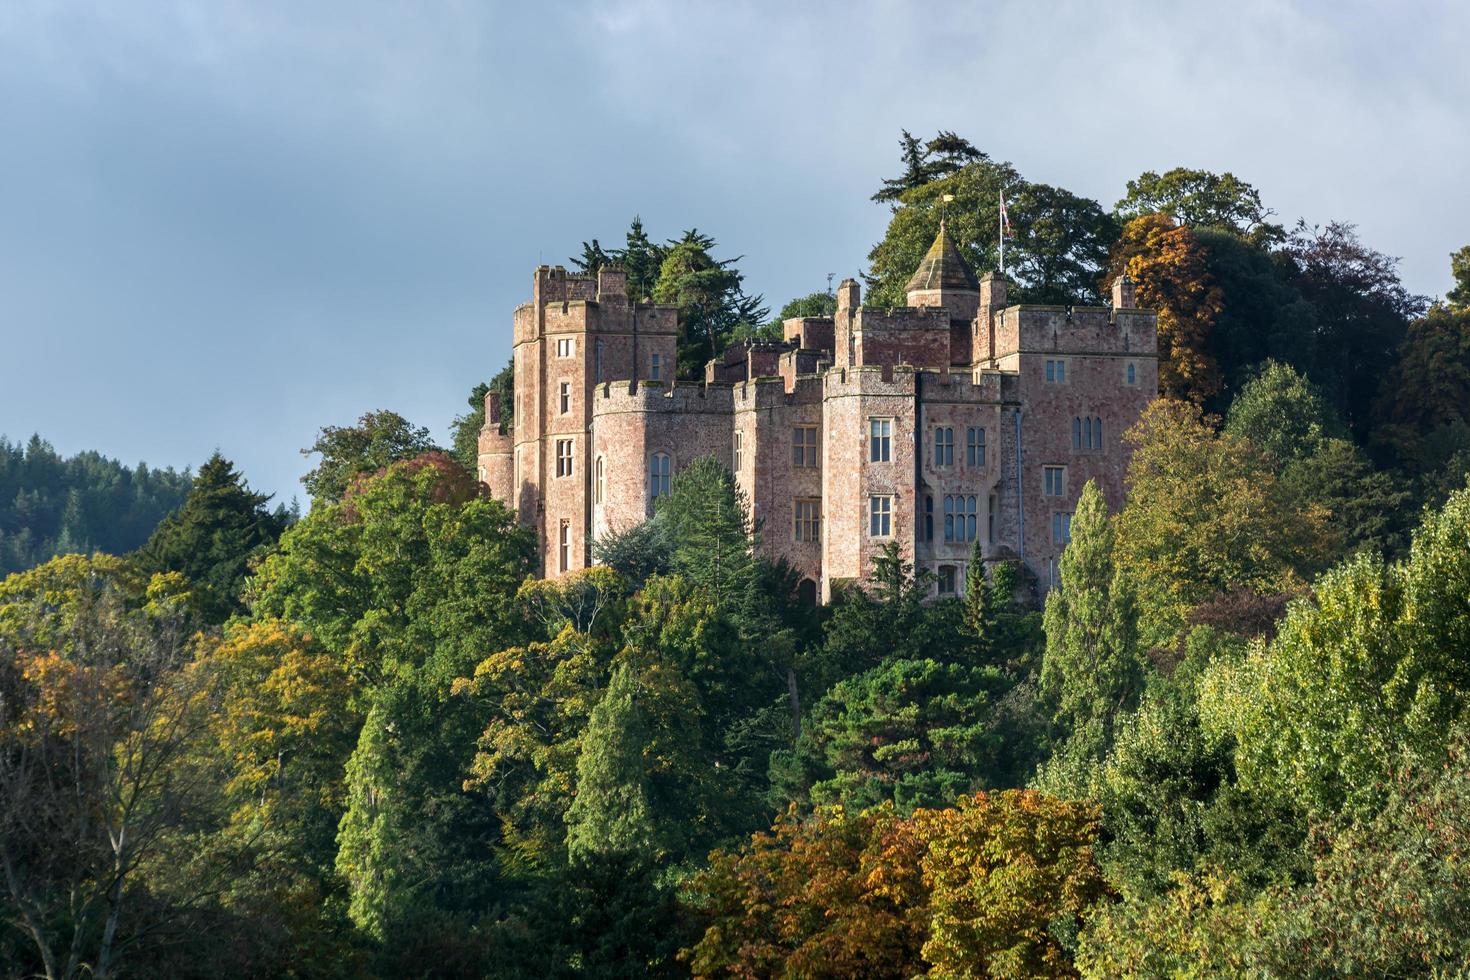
(575, 332)
(953, 420)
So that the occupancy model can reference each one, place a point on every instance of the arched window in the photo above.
(806, 592)
(658, 476)
(1097, 433)
(1076, 433)
(1132, 373)
(598, 483)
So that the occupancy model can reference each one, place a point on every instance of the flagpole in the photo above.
(1001, 220)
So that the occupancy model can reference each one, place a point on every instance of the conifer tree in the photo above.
(1091, 672)
(213, 537)
(611, 815)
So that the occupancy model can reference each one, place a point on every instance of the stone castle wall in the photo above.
(590, 393)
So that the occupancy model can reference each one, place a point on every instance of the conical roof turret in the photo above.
(943, 267)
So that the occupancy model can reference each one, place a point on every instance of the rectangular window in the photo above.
(566, 397)
(807, 520)
(566, 347)
(1061, 528)
(804, 446)
(946, 580)
(928, 518)
(1054, 479)
(880, 434)
(944, 446)
(1056, 372)
(566, 545)
(658, 478)
(738, 454)
(563, 457)
(597, 364)
(880, 517)
(959, 518)
(974, 446)
(990, 519)
(655, 368)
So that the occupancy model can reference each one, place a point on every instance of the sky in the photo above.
(225, 225)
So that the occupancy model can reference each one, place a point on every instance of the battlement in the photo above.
(1031, 328)
(654, 396)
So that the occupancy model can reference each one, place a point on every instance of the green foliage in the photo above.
(1282, 412)
(1361, 677)
(1459, 296)
(465, 441)
(821, 303)
(637, 553)
(916, 732)
(1362, 312)
(1201, 199)
(705, 518)
(710, 297)
(222, 529)
(1060, 243)
(1205, 514)
(1425, 401)
(51, 505)
(378, 440)
(611, 815)
(1091, 673)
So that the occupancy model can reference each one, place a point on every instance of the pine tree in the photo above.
(213, 537)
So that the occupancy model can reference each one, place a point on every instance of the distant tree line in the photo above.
(50, 504)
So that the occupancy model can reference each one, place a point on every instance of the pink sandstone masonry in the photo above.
(952, 419)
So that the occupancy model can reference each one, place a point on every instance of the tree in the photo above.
(409, 579)
(1282, 412)
(1362, 312)
(1362, 676)
(710, 298)
(1168, 267)
(1426, 394)
(1201, 199)
(1091, 673)
(820, 303)
(611, 813)
(466, 429)
(1205, 513)
(915, 732)
(926, 162)
(97, 717)
(1459, 296)
(52, 505)
(641, 260)
(1061, 240)
(1010, 876)
(222, 529)
(347, 452)
(705, 516)
(836, 895)
(1172, 804)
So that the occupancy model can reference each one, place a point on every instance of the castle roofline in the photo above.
(943, 267)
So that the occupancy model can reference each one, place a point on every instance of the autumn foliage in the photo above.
(990, 887)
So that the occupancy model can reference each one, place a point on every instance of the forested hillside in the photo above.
(52, 505)
(373, 742)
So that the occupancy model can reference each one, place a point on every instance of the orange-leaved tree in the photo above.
(1168, 266)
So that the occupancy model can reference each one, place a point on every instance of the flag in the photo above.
(1005, 221)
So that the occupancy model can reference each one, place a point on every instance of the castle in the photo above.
(953, 418)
